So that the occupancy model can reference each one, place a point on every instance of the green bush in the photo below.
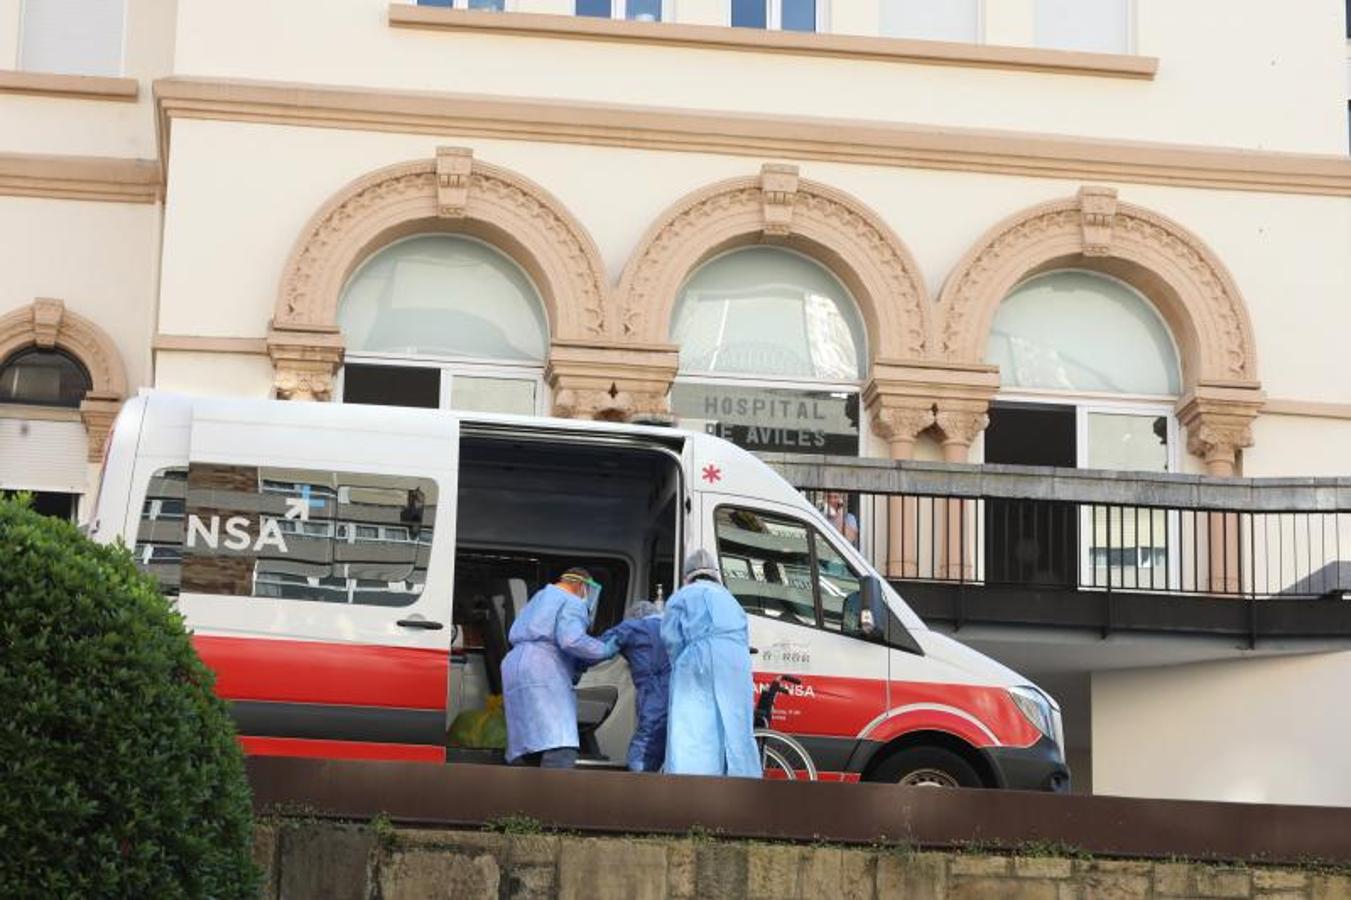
(119, 771)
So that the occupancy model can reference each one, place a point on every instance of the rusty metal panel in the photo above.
(621, 802)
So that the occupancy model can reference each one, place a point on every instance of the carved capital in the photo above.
(959, 427)
(98, 411)
(1218, 418)
(304, 362)
(1097, 213)
(612, 405)
(453, 165)
(47, 315)
(778, 186)
(900, 426)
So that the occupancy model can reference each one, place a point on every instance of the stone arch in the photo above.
(1169, 265)
(777, 207)
(47, 324)
(453, 193)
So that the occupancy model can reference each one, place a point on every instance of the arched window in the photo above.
(443, 321)
(46, 456)
(772, 351)
(1089, 377)
(41, 377)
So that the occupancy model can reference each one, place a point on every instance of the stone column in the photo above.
(611, 381)
(98, 410)
(900, 427)
(959, 423)
(1218, 417)
(304, 361)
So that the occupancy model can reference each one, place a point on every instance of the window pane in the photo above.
(767, 311)
(932, 20)
(1096, 25)
(767, 420)
(841, 609)
(1127, 442)
(766, 564)
(598, 8)
(43, 377)
(435, 2)
(799, 15)
(288, 534)
(750, 13)
(492, 5)
(417, 386)
(644, 10)
(444, 295)
(1079, 331)
(502, 395)
(75, 37)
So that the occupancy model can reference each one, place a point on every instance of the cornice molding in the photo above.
(716, 37)
(77, 87)
(104, 178)
(748, 134)
(202, 343)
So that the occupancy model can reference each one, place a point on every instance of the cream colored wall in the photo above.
(241, 193)
(1299, 445)
(99, 258)
(1254, 80)
(214, 374)
(60, 125)
(1257, 730)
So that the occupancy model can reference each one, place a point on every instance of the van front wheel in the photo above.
(927, 767)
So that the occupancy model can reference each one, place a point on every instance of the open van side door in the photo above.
(317, 557)
(802, 598)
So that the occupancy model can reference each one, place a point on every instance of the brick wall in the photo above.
(336, 862)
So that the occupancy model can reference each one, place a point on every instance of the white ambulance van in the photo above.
(350, 574)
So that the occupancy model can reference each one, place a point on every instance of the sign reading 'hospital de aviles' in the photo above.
(771, 420)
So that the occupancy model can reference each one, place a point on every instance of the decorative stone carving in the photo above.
(778, 187)
(820, 221)
(98, 411)
(304, 362)
(613, 381)
(1097, 210)
(901, 426)
(48, 324)
(959, 426)
(47, 321)
(1218, 418)
(453, 165)
(453, 192)
(1193, 290)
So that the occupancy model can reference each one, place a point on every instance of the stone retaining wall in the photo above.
(338, 862)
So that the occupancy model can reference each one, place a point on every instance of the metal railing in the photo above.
(1083, 531)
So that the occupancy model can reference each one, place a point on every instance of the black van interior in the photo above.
(533, 504)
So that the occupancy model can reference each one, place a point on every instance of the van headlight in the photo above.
(1038, 709)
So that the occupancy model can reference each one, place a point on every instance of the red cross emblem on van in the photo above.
(712, 474)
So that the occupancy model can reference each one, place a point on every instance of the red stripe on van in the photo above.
(831, 706)
(269, 746)
(326, 673)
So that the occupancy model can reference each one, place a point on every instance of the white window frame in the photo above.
(507, 5)
(450, 366)
(1132, 29)
(619, 10)
(774, 16)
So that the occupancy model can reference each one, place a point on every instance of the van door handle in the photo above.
(419, 622)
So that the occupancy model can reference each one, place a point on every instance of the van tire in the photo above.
(927, 767)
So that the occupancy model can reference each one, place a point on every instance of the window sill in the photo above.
(79, 87)
(668, 34)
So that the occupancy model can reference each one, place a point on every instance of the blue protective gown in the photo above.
(640, 642)
(549, 646)
(710, 724)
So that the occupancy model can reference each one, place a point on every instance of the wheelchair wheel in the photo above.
(781, 753)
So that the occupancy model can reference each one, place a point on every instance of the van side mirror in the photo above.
(885, 626)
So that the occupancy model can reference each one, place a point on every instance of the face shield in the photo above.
(592, 595)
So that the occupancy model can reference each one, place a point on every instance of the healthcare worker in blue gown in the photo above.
(639, 640)
(549, 650)
(710, 728)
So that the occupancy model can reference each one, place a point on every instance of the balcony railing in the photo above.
(1027, 535)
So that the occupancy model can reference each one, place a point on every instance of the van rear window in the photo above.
(288, 534)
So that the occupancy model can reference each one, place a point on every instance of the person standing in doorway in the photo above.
(710, 727)
(838, 514)
(550, 648)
